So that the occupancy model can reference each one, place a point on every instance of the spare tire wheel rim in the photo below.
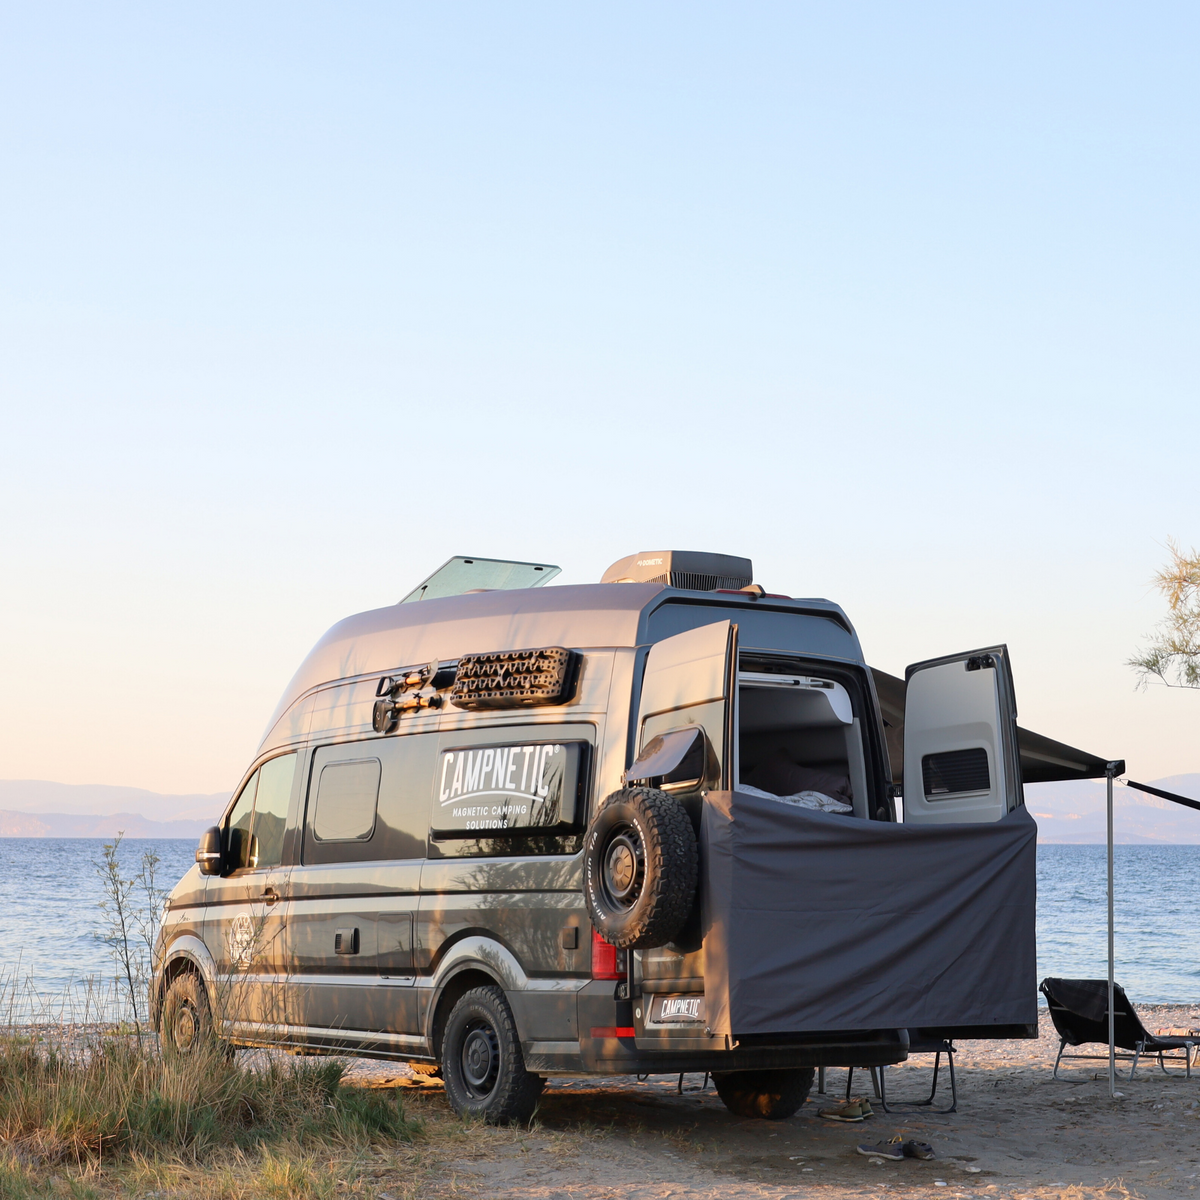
(480, 1058)
(624, 868)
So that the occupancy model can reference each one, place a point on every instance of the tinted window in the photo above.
(347, 793)
(524, 789)
(405, 767)
(759, 628)
(240, 818)
(271, 807)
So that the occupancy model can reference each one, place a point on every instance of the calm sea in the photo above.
(50, 897)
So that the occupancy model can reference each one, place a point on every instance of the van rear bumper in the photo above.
(613, 1040)
(621, 1056)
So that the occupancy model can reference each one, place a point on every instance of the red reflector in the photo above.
(604, 961)
(613, 1031)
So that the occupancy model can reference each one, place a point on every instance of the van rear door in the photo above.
(689, 680)
(961, 759)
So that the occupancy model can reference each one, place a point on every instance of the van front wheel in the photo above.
(482, 1065)
(771, 1095)
(640, 865)
(186, 1026)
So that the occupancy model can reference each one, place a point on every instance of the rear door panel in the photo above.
(960, 739)
(689, 680)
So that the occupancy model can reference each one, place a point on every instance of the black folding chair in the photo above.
(1079, 1010)
(919, 1042)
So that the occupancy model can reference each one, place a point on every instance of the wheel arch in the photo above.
(473, 962)
(187, 954)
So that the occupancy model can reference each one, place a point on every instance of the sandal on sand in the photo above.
(864, 1104)
(891, 1151)
(918, 1149)
(850, 1111)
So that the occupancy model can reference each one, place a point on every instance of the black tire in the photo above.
(640, 867)
(186, 1025)
(770, 1095)
(482, 1065)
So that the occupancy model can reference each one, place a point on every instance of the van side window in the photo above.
(511, 791)
(368, 800)
(347, 793)
(271, 807)
(240, 818)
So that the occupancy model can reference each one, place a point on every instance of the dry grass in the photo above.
(112, 1116)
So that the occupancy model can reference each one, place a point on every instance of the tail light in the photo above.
(607, 961)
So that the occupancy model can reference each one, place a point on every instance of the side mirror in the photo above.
(209, 854)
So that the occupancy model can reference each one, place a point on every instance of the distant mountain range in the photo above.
(38, 808)
(1065, 812)
(1076, 812)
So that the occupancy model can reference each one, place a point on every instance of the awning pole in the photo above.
(1110, 770)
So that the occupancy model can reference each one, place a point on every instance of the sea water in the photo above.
(51, 921)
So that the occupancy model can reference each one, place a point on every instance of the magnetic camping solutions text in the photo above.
(504, 787)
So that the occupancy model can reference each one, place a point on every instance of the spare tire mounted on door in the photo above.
(640, 867)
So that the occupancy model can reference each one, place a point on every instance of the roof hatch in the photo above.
(460, 575)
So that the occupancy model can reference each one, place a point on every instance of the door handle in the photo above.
(270, 895)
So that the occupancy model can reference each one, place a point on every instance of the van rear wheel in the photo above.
(482, 1065)
(640, 865)
(771, 1095)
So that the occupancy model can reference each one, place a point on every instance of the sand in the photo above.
(1017, 1133)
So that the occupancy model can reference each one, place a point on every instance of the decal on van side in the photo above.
(513, 787)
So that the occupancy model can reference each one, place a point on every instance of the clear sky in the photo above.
(298, 300)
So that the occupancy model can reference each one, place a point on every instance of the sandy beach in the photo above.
(1018, 1133)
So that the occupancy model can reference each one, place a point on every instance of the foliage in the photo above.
(112, 1101)
(1173, 656)
(132, 906)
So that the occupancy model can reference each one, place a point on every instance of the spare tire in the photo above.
(640, 866)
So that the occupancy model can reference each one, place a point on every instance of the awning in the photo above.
(1043, 760)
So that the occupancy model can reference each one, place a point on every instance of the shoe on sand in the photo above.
(918, 1149)
(850, 1111)
(864, 1104)
(891, 1151)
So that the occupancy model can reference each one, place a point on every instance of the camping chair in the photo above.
(1079, 1010)
(920, 1041)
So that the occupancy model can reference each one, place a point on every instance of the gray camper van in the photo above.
(645, 825)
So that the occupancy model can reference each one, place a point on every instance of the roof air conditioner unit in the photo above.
(693, 569)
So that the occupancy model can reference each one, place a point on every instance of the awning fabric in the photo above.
(1043, 760)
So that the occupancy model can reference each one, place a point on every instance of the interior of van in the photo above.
(799, 741)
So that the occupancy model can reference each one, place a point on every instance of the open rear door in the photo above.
(961, 758)
(690, 680)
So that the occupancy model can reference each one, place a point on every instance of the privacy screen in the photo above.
(816, 922)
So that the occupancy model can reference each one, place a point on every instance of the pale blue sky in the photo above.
(296, 301)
